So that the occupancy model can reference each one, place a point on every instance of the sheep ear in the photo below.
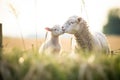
(48, 29)
(79, 19)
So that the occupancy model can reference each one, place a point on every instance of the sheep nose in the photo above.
(63, 28)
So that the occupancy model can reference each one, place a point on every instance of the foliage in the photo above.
(113, 25)
(29, 65)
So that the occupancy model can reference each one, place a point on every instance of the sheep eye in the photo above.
(71, 22)
(55, 29)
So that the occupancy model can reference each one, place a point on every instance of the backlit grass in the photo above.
(30, 65)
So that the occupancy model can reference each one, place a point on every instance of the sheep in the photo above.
(52, 45)
(85, 39)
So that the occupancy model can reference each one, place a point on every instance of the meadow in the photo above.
(10, 43)
(22, 62)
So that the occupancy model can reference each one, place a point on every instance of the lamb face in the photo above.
(71, 25)
(56, 30)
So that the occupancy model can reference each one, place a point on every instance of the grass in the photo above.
(17, 64)
(114, 42)
(10, 43)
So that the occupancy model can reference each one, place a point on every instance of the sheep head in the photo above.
(72, 25)
(55, 30)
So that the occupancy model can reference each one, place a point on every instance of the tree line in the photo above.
(112, 27)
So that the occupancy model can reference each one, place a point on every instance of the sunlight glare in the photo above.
(91, 59)
(21, 60)
(34, 15)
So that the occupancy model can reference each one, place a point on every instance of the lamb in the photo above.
(85, 40)
(52, 45)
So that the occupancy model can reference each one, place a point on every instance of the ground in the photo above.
(27, 44)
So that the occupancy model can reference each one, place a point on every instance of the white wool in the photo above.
(85, 40)
(101, 43)
(52, 45)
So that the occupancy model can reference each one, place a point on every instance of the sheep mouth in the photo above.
(63, 30)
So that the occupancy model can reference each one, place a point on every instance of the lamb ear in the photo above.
(48, 29)
(79, 19)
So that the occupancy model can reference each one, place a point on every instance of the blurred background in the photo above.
(28, 17)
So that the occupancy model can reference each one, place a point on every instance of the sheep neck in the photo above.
(84, 38)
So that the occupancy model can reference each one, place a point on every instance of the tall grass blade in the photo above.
(15, 13)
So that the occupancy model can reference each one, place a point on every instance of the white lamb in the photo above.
(52, 45)
(85, 40)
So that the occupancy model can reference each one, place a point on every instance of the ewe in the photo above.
(85, 40)
(52, 45)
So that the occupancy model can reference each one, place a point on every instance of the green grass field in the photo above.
(20, 64)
